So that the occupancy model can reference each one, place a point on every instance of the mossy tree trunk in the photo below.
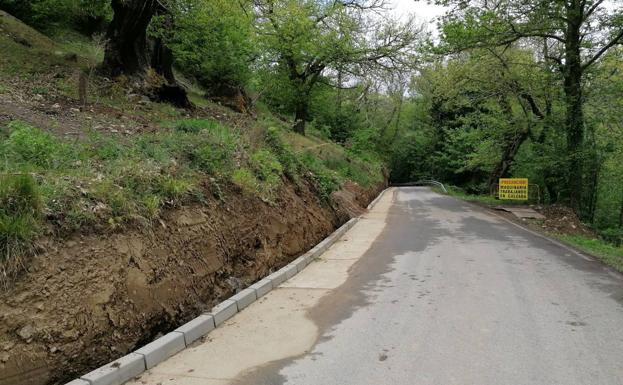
(130, 52)
(127, 49)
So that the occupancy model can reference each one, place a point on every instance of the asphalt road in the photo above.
(425, 289)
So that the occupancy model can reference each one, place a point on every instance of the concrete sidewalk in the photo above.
(277, 326)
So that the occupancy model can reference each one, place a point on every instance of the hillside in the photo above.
(123, 218)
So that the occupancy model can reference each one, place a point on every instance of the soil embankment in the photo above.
(91, 299)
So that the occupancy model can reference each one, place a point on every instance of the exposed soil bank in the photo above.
(91, 299)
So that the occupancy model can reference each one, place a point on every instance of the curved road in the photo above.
(425, 289)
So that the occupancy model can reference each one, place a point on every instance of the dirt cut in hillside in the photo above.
(91, 299)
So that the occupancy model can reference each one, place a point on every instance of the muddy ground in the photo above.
(90, 299)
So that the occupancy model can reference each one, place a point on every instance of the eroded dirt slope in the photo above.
(91, 299)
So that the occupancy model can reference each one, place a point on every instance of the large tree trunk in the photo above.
(593, 193)
(162, 60)
(508, 156)
(574, 122)
(127, 50)
(512, 144)
(130, 53)
(300, 116)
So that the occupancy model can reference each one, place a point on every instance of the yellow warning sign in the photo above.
(514, 189)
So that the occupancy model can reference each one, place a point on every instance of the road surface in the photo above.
(425, 289)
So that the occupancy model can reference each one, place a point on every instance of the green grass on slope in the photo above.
(485, 199)
(26, 52)
(103, 183)
(608, 253)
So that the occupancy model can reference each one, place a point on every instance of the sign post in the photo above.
(513, 189)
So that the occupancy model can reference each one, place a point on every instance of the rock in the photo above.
(26, 332)
(56, 106)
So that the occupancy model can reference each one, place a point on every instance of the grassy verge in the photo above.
(484, 199)
(608, 253)
(105, 183)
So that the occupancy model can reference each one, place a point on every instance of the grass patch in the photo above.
(608, 253)
(268, 171)
(245, 180)
(20, 212)
(326, 180)
(485, 199)
(102, 183)
(195, 125)
(284, 153)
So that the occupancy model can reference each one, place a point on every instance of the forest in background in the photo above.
(507, 89)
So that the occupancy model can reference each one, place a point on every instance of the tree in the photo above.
(212, 42)
(307, 41)
(129, 52)
(577, 33)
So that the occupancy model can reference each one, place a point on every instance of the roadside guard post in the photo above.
(514, 189)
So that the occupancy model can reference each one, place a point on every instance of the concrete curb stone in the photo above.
(277, 278)
(300, 263)
(78, 382)
(224, 311)
(164, 347)
(244, 298)
(116, 372)
(290, 271)
(262, 287)
(196, 328)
